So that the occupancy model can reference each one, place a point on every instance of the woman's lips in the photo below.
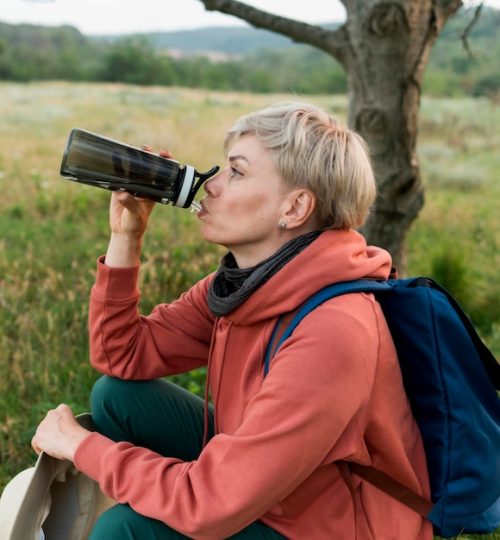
(203, 212)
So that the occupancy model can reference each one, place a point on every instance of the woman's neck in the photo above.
(250, 255)
(232, 285)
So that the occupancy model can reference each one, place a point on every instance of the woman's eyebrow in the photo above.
(238, 157)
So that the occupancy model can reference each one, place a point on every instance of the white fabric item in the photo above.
(51, 501)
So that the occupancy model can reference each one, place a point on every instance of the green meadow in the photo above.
(52, 230)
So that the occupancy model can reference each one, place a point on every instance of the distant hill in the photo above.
(211, 58)
(228, 40)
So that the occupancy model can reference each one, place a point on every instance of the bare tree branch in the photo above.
(465, 34)
(333, 42)
(447, 8)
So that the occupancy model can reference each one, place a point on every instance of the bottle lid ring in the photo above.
(187, 184)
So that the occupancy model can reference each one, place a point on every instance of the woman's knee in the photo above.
(154, 414)
(105, 388)
(112, 402)
(111, 394)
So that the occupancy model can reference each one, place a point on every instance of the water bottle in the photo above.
(99, 161)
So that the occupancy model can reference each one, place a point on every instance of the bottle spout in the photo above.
(205, 176)
(189, 187)
(195, 206)
(202, 177)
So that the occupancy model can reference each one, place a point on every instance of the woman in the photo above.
(261, 464)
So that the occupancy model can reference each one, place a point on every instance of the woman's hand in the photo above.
(128, 214)
(59, 434)
(128, 220)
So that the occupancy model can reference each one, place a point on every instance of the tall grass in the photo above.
(457, 236)
(52, 230)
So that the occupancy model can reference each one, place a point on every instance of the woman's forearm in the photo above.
(128, 219)
(124, 251)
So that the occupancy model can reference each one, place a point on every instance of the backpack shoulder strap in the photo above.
(283, 331)
(284, 328)
(389, 486)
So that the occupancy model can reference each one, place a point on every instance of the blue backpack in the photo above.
(450, 378)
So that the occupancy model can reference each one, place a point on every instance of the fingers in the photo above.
(165, 154)
(35, 446)
(63, 408)
(35, 441)
(125, 198)
(60, 410)
(52, 417)
(128, 200)
(162, 153)
(134, 203)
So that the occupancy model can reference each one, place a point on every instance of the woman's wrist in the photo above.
(75, 440)
(124, 251)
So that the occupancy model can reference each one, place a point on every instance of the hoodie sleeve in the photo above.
(174, 338)
(314, 396)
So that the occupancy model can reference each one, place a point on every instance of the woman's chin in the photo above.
(210, 236)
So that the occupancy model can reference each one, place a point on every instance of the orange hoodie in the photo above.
(334, 392)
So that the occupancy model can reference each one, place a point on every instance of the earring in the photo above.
(282, 225)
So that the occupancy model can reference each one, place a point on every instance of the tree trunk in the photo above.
(389, 46)
(384, 47)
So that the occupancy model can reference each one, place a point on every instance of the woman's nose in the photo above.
(212, 185)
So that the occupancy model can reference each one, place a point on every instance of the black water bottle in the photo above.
(102, 162)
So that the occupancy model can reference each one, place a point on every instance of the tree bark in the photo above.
(384, 47)
(390, 47)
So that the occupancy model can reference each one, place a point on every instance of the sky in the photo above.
(112, 17)
(129, 16)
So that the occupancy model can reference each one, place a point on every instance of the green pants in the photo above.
(166, 419)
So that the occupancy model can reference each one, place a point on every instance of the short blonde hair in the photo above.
(311, 150)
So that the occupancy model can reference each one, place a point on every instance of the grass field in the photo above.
(52, 230)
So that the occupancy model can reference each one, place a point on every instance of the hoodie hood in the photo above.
(335, 256)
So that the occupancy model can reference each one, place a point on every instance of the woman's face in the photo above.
(244, 203)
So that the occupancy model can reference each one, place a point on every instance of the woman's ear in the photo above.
(300, 206)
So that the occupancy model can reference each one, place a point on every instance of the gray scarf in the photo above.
(232, 285)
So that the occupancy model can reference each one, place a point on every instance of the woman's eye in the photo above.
(234, 172)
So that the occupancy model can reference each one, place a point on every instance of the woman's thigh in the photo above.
(123, 523)
(154, 414)
(165, 418)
